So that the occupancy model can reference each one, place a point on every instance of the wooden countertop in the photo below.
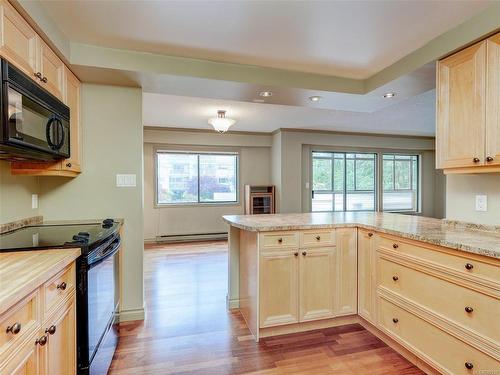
(472, 238)
(23, 271)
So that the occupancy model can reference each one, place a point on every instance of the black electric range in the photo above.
(97, 286)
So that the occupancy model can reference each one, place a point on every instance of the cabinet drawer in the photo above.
(439, 349)
(317, 238)
(58, 288)
(19, 322)
(464, 264)
(279, 240)
(449, 300)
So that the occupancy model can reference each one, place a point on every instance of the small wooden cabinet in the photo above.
(259, 200)
(52, 70)
(366, 274)
(468, 110)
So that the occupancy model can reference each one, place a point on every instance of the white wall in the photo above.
(254, 164)
(460, 198)
(15, 195)
(112, 143)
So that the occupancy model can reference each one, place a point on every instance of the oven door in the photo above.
(101, 295)
(30, 124)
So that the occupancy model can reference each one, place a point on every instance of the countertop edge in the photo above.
(20, 292)
(450, 245)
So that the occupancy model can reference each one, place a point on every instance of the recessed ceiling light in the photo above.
(315, 98)
(389, 95)
(265, 94)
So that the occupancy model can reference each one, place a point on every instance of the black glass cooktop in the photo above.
(58, 235)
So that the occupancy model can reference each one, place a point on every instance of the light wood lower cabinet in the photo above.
(34, 343)
(366, 275)
(317, 283)
(346, 271)
(279, 286)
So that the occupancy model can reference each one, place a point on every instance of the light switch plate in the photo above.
(481, 203)
(34, 201)
(126, 180)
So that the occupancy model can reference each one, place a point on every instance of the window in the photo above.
(400, 180)
(348, 181)
(192, 178)
(343, 181)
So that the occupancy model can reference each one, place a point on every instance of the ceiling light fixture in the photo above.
(315, 98)
(265, 94)
(389, 95)
(221, 123)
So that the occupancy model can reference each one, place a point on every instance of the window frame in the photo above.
(379, 189)
(158, 151)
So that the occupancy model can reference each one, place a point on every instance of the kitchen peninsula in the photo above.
(419, 284)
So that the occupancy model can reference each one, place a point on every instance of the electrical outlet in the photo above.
(34, 201)
(481, 203)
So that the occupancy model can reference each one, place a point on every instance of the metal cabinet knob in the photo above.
(395, 245)
(468, 309)
(318, 238)
(38, 75)
(14, 328)
(476, 160)
(41, 341)
(68, 165)
(469, 266)
(395, 278)
(489, 159)
(44, 79)
(62, 286)
(469, 365)
(395, 320)
(280, 240)
(370, 234)
(304, 253)
(296, 254)
(51, 330)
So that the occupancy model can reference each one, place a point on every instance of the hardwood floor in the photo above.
(189, 331)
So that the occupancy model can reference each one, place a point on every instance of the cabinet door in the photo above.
(346, 271)
(366, 285)
(59, 354)
(317, 283)
(461, 89)
(18, 41)
(52, 69)
(24, 362)
(278, 288)
(493, 100)
(72, 100)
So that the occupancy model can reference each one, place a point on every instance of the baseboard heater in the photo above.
(192, 237)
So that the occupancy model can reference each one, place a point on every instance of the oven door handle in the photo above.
(107, 252)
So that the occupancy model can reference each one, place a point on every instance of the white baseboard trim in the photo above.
(132, 314)
(191, 237)
(233, 304)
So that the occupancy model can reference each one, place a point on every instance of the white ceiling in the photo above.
(346, 38)
(414, 116)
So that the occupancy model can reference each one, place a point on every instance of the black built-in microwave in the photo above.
(35, 124)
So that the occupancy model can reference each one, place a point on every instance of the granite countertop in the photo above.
(21, 272)
(471, 238)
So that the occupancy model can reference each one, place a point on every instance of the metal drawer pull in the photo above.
(468, 309)
(395, 320)
(395, 245)
(41, 341)
(468, 266)
(296, 254)
(395, 278)
(14, 328)
(51, 330)
(62, 286)
(304, 253)
(318, 238)
(469, 365)
(38, 75)
(370, 234)
(476, 160)
(489, 159)
(44, 80)
(280, 240)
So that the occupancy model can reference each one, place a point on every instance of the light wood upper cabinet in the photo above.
(460, 108)
(52, 70)
(279, 288)
(72, 100)
(468, 110)
(493, 99)
(346, 271)
(317, 283)
(18, 41)
(366, 282)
